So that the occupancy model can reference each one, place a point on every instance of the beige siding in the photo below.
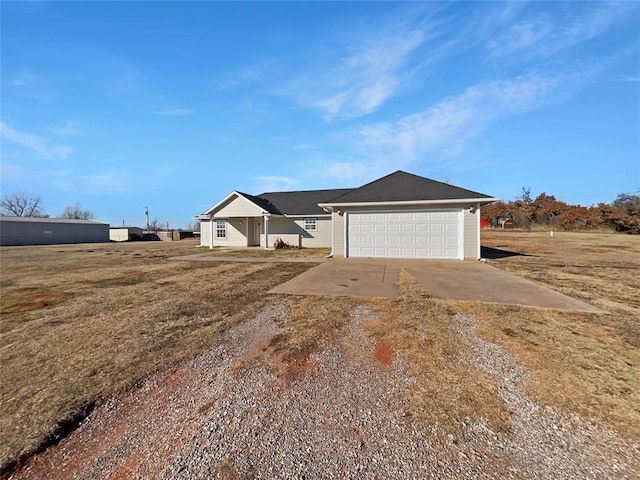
(238, 207)
(236, 233)
(471, 226)
(236, 229)
(338, 234)
(204, 233)
(291, 231)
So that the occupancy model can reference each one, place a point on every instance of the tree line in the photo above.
(621, 215)
(23, 205)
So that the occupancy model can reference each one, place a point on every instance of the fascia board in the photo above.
(409, 202)
(222, 202)
(309, 215)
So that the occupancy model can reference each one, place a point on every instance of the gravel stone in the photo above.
(544, 443)
(228, 414)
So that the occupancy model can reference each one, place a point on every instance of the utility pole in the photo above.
(146, 212)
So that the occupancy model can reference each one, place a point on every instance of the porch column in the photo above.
(266, 232)
(211, 232)
(246, 232)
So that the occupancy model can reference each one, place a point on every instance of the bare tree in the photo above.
(76, 211)
(22, 205)
(193, 226)
(155, 225)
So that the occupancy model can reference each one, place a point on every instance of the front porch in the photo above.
(236, 231)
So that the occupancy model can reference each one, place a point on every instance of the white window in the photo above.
(311, 224)
(221, 229)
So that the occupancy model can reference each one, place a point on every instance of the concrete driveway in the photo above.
(456, 280)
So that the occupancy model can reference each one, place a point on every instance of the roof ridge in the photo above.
(306, 191)
(404, 186)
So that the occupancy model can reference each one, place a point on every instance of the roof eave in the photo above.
(228, 197)
(449, 201)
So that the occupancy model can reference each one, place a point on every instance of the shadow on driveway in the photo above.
(491, 253)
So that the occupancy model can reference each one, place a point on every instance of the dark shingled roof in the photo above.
(262, 203)
(405, 187)
(296, 203)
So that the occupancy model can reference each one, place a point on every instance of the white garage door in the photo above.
(433, 234)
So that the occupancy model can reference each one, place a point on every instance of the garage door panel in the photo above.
(411, 234)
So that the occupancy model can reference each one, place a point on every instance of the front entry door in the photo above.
(257, 226)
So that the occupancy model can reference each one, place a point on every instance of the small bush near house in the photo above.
(280, 244)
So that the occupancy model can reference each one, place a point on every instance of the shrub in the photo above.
(280, 244)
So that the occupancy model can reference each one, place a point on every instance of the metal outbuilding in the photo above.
(50, 231)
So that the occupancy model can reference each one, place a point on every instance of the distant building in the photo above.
(125, 234)
(50, 231)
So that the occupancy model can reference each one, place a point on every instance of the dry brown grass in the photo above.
(584, 363)
(259, 252)
(79, 323)
(447, 390)
(311, 320)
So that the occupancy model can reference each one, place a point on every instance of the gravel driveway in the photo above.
(229, 414)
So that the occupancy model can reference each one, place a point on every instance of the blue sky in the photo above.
(172, 105)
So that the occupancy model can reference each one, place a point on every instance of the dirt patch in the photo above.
(24, 299)
(384, 354)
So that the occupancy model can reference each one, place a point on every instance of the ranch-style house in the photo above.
(400, 215)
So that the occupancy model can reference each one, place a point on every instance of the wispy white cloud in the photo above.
(455, 119)
(362, 79)
(358, 69)
(174, 112)
(442, 133)
(347, 171)
(631, 78)
(110, 183)
(9, 171)
(543, 35)
(61, 151)
(239, 77)
(24, 78)
(35, 143)
(274, 183)
(67, 130)
(30, 85)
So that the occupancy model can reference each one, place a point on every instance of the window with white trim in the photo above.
(311, 224)
(221, 229)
